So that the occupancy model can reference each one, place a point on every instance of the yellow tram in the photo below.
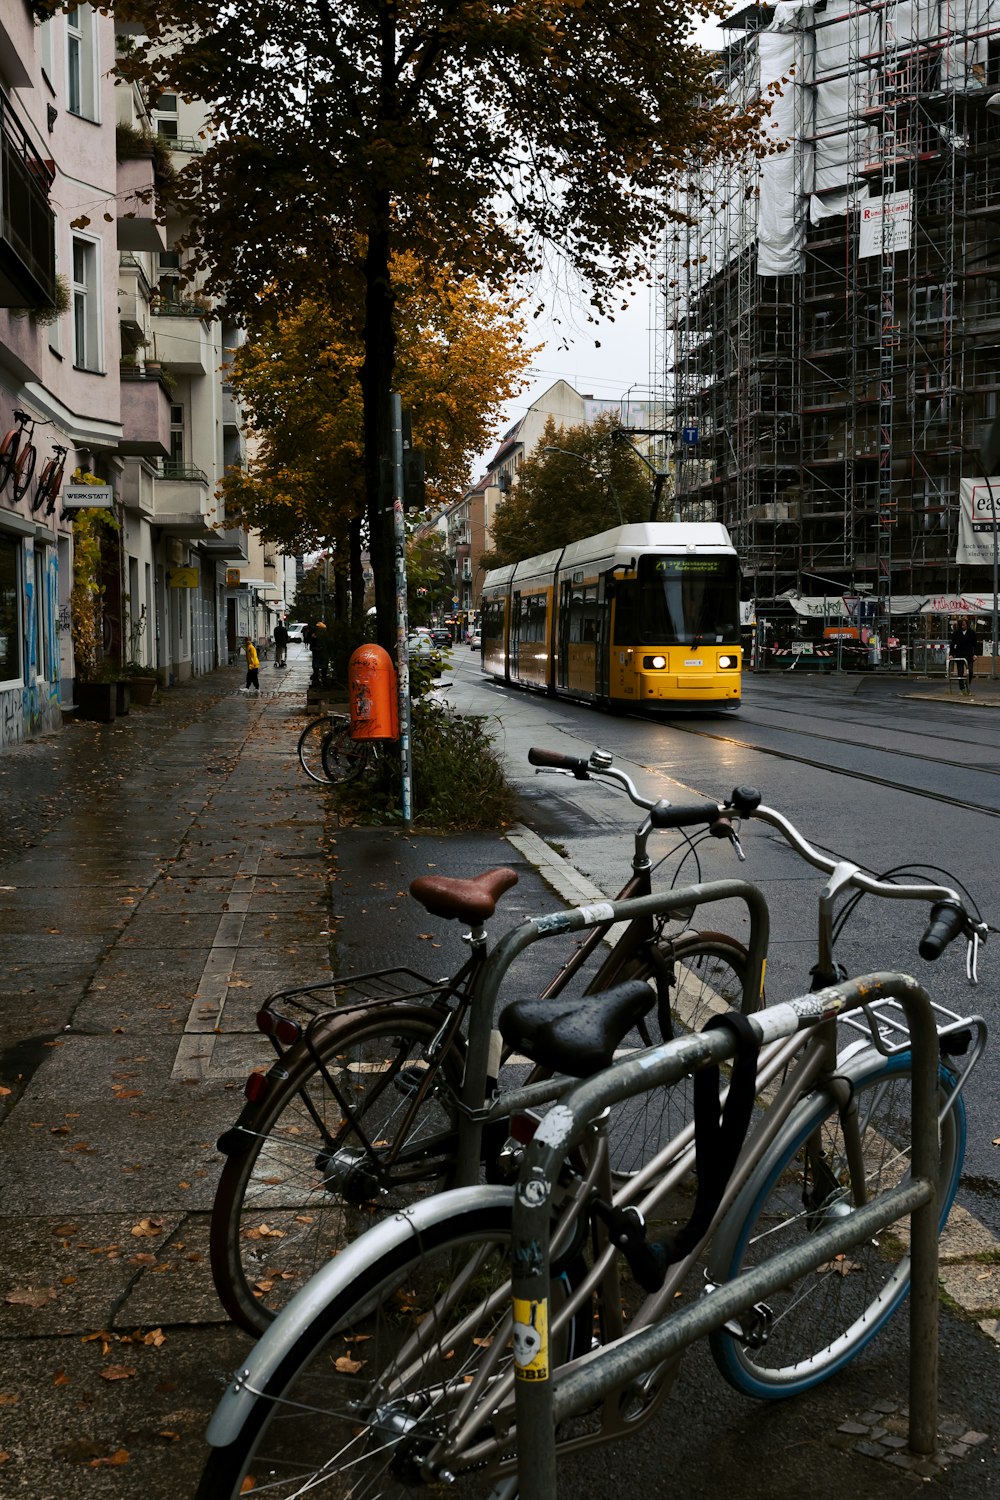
(639, 616)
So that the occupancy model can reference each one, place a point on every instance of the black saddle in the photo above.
(576, 1036)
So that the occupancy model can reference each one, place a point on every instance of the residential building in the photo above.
(118, 366)
(830, 338)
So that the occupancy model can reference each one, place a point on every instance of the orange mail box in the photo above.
(372, 692)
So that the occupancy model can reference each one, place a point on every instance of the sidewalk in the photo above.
(158, 878)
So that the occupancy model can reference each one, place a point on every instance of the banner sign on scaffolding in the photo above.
(978, 514)
(870, 233)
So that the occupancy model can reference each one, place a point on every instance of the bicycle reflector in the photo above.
(256, 1087)
(282, 1028)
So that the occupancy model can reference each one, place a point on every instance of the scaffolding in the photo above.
(831, 313)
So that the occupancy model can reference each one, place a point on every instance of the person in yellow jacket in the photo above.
(253, 662)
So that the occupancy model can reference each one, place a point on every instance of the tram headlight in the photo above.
(654, 663)
(727, 661)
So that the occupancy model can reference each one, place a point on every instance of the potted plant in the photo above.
(143, 680)
(96, 696)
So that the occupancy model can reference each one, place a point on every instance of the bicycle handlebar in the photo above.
(949, 917)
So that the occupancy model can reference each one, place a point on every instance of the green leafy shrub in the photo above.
(458, 779)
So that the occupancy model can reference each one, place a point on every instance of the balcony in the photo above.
(145, 416)
(231, 545)
(27, 223)
(137, 226)
(182, 339)
(183, 501)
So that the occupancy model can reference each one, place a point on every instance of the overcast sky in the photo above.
(603, 360)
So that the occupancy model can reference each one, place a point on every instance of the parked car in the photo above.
(419, 644)
(441, 635)
(475, 641)
(295, 634)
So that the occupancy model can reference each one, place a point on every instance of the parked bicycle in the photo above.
(18, 455)
(372, 1102)
(397, 1365)
(50, 482)
(329, 755)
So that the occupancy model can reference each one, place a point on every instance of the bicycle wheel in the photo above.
(344, 759)
(708, 970)
(310, 746)
(818, 1322)
(8, 454)
(415, 1339)
(24, 470)
(307, 1167)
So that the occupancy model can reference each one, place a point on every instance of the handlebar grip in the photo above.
(947, 921)
(556, 760)
(664, 815)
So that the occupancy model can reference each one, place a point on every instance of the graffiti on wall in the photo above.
(32, 706)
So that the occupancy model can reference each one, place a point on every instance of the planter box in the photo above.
(96, 701)
(142, 690)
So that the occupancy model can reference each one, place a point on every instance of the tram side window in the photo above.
(583, 616)
(531, 618)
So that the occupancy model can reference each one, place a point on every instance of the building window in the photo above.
(176, 458)
(86, 306)
(10, 625)
(81, 63)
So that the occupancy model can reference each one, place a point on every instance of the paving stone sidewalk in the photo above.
(158, 878)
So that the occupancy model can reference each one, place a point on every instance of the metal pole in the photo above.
(402, 655)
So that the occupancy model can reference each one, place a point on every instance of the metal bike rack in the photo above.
(542, 1399)
(661, 903)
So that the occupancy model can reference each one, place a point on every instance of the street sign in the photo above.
(86, 496)
(689, 434)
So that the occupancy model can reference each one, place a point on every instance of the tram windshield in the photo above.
(679, 601)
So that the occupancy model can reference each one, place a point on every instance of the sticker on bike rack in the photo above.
(555, 1127)
(530, 1337)
(534, 1192)
(560, 921)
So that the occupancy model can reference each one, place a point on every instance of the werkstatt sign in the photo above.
(184, 578)
(84, 496)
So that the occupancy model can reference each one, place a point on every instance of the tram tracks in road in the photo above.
(943, 798)
(921, 734)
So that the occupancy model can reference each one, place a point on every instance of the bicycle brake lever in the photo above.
(972, 957)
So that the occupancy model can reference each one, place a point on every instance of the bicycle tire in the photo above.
(344, 759)
(821, 1321)
(47, 487)
(710, 969)
(8, 454)
(348, 1400)
(296, 1187)
(24, 469)
(310, 744)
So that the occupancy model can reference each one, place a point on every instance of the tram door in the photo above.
(515, 635)
(563, 633)
(605, 590)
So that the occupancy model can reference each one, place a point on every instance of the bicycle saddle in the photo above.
(467, 900)
(576, 1036)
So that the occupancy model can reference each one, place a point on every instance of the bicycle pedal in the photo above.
(409, 1079)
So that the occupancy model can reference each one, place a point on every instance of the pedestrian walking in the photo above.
(253, 663)
(280, 643)
(963, 649)
(319, 645)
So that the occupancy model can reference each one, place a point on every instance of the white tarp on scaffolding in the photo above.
(780, 232)
(960, 604)
(978, 514)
